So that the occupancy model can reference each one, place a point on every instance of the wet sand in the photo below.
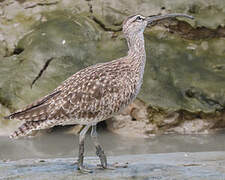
(167, 166)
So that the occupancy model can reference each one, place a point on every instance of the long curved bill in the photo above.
(155, 19)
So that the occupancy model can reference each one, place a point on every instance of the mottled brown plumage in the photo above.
(94, 93)
(91, 95)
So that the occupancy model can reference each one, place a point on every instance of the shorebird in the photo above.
(95, 93)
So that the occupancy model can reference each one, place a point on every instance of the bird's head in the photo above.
(137, 23)
(134, 24)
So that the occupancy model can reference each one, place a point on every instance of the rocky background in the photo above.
(44, 42)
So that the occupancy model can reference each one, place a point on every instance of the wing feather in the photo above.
(34, 111)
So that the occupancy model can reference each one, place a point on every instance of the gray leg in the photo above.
(99, 151)
(81, 149)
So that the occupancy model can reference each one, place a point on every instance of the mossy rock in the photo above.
(180, 77)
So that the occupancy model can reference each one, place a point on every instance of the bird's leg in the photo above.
(100, 153)
(99, 150)
(81, 150)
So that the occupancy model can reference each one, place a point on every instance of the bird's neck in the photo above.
(136, 58)
(136, 53)
(136, 44)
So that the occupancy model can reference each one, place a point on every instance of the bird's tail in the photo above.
(26, 129)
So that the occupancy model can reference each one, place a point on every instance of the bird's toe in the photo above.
(83, 169)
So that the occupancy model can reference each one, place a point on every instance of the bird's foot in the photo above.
(84, 170)
(100, 166)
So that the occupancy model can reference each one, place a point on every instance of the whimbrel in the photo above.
(95, 93)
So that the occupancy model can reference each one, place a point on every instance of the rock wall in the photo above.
(44, 42)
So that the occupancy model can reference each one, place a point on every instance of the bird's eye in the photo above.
(139, 18)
